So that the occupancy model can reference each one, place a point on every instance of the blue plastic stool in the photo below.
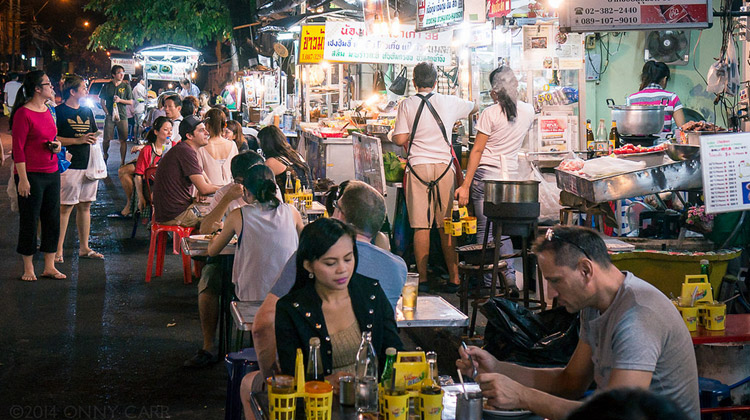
(714, 394)
(238, 365)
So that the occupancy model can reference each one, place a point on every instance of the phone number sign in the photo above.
(616, 15)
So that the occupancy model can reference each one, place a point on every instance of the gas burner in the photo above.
(644, 141)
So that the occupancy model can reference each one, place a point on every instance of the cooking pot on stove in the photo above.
(496, 191)
(637, 120)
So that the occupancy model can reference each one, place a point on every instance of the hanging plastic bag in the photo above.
(549, 194)
(97, 168)
(11, 190)
(515, 334)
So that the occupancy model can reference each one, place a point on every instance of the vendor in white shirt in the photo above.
(501, 130)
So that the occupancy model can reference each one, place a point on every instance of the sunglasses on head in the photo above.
(550, 236)
(339, 194)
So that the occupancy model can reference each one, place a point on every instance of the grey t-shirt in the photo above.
(375, 263)
(642, 330)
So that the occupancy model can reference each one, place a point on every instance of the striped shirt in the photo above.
(653, 94)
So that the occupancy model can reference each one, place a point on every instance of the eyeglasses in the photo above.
(46, 84)
(551, 236)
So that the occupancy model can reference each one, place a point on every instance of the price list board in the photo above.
(725, 161)
(624, 15)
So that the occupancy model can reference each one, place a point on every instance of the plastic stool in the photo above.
(714, 394)
(238, 365)
(158, 245)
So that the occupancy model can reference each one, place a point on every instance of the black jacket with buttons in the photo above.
(299, 316)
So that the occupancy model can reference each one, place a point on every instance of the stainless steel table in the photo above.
(432, 311)
(196, 246)
(243, 313)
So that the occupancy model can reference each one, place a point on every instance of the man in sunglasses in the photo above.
(631, 336)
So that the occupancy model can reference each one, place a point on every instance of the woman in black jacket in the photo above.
(331, 302)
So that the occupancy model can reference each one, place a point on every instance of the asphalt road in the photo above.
(103, 344)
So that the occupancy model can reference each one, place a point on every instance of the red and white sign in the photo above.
(498, 8)
(615, 15)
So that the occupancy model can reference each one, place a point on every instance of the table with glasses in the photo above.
(737, 330)
(432, 311)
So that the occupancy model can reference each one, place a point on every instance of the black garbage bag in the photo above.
(515, 334)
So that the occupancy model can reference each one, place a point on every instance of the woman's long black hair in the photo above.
(653, 72)
(505, 86)
(31, 81)
(261, 183)
(158, 123)
(273, 143)
(316, 239)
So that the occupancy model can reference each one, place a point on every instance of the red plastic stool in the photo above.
(158, 241)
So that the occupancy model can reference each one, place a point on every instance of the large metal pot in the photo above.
(497, 192)
(637, 120)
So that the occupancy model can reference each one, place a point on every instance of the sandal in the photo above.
(55, 276)
(92, 255)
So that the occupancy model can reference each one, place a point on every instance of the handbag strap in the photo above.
(433, 190)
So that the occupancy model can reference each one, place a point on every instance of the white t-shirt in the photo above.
(429, 145)
(505, 137)
(11, 90)
(176, 130)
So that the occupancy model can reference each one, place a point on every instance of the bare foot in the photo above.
(28, 277)
(59, 258)
(54, 275)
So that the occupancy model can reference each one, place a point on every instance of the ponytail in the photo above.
(260, 182)
(507, 104)
(653, 72)
(505, 87)
(31, 81)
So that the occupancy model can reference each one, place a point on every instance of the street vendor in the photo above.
(501, 129)
(430, 178)
(631, 336)
(654, 78)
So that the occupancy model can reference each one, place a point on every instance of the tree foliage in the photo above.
(133, 23)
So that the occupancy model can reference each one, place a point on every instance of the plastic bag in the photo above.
(97, 168)
(11, 190)
(515, 334)
(549, 194)
(609, 166)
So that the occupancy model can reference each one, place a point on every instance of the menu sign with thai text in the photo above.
(498, 8)
(311, 41)
(347, 42)
(432, 14)
(620, 15)
(725, 160)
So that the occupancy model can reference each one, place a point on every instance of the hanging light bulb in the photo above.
(395, 23)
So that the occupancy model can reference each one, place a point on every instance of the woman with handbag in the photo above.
(36, 173)
(77, 131)
(501, 129)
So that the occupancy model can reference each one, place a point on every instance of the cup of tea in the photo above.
(282, 398)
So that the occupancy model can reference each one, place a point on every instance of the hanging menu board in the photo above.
(432, 14)
(638, 15)
(725, 161)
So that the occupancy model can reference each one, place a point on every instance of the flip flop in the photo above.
(54, 276)
(32, 278)
(59, 259)
(118, 215)
(92, 255)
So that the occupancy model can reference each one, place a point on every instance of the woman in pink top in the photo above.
(654, 78)
(36, 173)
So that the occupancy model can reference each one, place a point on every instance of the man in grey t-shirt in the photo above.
(631, 336)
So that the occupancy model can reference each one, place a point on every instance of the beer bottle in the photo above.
(390, 359)
(456, 228)
(614, 136)
(589, 136)
(431, 385)
(289, 185)
(314, 362)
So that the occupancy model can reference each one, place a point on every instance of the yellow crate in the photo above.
(307, 198)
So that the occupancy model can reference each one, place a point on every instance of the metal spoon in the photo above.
(471, 360)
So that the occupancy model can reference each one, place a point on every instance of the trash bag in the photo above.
(515, 334)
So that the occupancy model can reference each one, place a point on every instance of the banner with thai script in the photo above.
(311, 40)
(498, 8)
(347, 42)
(433, 14)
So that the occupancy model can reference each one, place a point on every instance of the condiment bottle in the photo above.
(314, 362)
